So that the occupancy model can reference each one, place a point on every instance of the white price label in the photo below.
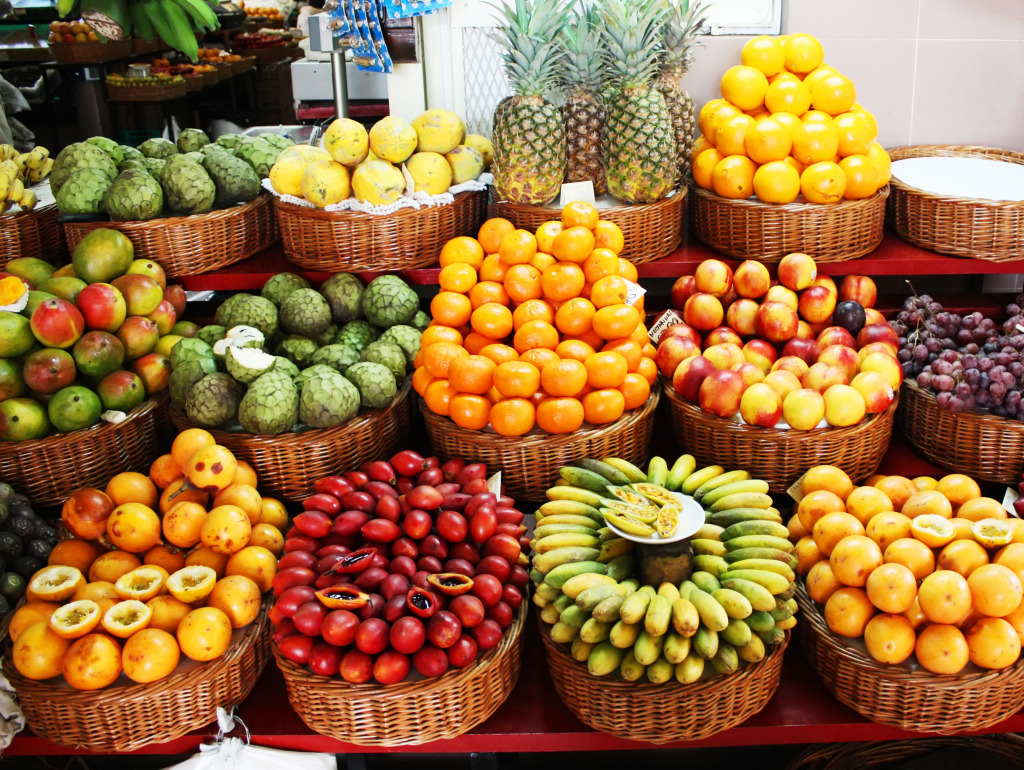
(494, 484)
(663, 322)
(795, 491)
(577, 191)
(634, 292)
(1019, 328)
(1009, 499)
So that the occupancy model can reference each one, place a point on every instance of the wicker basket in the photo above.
(663, 713)
(650, 230)
(1004, 749)
(290, 464)
(120, 719)
(749, 229)
(407, 713)
(909, 700)
(984, 446)
(962, 227)
(30, 234)
(194, 244)
(95, 52)
(352, 241)
(194, 83)
(118, 93)
(530, 463)
(49, 469)
(780, 457)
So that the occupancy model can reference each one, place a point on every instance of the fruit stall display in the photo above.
(910, 582)
(160, 570)
(26, 542)
(610, 584)
(394, 575)
(29, 230)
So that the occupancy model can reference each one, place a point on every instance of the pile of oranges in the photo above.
(788, 124)
(535, 329)
(159, 566)
(914, 566)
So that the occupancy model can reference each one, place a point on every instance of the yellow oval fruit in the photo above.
(483, 146)
(438, 131)
(192, 584)
(393, 139)
(467, 163)
(39, 651)
(204, 634)
(238, 597)
(286, 174)
(325, 182)
(150, 655)
(430, 171)
(347, 141)
(377, 182)
(226, 529)
(92, 662)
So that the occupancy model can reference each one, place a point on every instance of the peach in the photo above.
(817, 304)
(879, 333)
(872, 316)
(776, 322)
(681, 330)
(740, 316)
(689, 376)
(761, 405)
(721, 392)
(703, 312)
(797, 271)
(722, 334)
(751, 373)
(804, 331)
(807, 349)
(836, 335)
(713, 277)
(782, 382)
(673, 350)
(886, 365)
(730, 297)
(859, 288)
(875, 347)
(682, 290)
(796, 366)
(761, 353)
(724, 355)
(844, 406)
(803, 409)
(821, 377)
(783, 294)
(875, 391)
(843, 357)
(751, 279)
(827, 282)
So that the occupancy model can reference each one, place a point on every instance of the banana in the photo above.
(736, 515)
(583, 478)
(581, 650)
(21, 161)
(659, 615)
(757, 486)
(594, 631)
(726, 661)
(709, 531)
(704, 581)
(735, 604)
(202, 15)
(685, 618)
(755, 527)
(563, 634)
(722, 480)
(753, 651)
(179, 20)
(627, 468)
(574, 586)
(631, 526)
(39, 174)
(623, 634)
(573, 616)
(681, 470)
(550, 614)
(589, 598)
(768, 565)
(776, 554)
(608, 610)
(715, 565)
(611, 474)
(569, 508)
(630, 670)
(634, 608)
(759, 541)
(647, 647)
(657, 471)
(604, 659)
(691, 669)
(695, 479)
(660, 671)
(561, 564)
(561, 529)
(565, 540)
(7, 151)
(574, 495)
(536, 576)
(712, 614)
(742, 500)
(737, 633)
(774, 582)
(702, 547)
(760, 598)
(9, 169)
(155, 11)
(5, 188)
(16, 191)
(676, 647)
(613, 549)
(622, 567)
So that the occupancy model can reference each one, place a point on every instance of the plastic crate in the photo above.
(275, 101)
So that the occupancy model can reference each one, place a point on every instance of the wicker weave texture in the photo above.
(663, 713)
(1006, 749)
(352, 241)
(983, 446)
(650, 230)
(917, 701)
(30, 234)
(49, 469)
(780, 457)
(962, 227)
(129, 717)
(290, 464)
(749, 229)
(194, 244)
(93, 52)
(530, 463)
(407, 713)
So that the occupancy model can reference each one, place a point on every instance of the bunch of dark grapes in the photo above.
(925, 330)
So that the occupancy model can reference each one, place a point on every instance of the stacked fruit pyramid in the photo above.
(788, 125)
(536, 329)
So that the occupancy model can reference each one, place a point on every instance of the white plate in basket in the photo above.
(986, 179)
(691, 518)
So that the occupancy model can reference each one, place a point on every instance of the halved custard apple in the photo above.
(192, 584)
(127, 617)
(76, 618)
(142, 584)
(56, 583)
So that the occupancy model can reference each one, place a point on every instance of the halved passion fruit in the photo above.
(125, 618)
(627, 495)
(628, 524)
(192, 584)
(993, 533)
(56, 583)
(338, 598)
(75, 619)
(656, 494)
(647, 515)
(450, 583)
(668, 519)
(142, 583)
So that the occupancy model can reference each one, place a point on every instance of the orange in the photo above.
(606, 370)
(560, 415)
(823, 182)
(882, 161)
(463, 249)
(164, 470)
(470, 411)
(532, 310)
(420, 379)
(962, 556)
(898, 489)
(826, 477)
(833, 527)
(440, 333)
(807, 554)
(855, 133)
(854, 558)
(635, 390)
(980, 508)
(942, 649)
(492, 321)
(930, 501)
(133, 527)
(648, 370)
(563, 378)
(610, 290)
(700, 144)
(733, 177)
(764, 53)
(776, 182)
(913, 554)
(945, 596)
(187, 442)
(996, 590)
(603, 406)
(562, 281)
(457, 276)
(768, 140)
(600, 263)
(816, 504)
(110, 566)
(821, 582)
(861, 177)
(491, 232)
(703, 166)
(512, 417)
(833, 94)
(131, 487)
(958, 489)
(546, 233)
(731, 135)
(815, 141)
(573, 244)
(535, 334)
(76, 553)
(522, 282)
(580, 213)
(803, 53)
(888, 527)
(787, 95)
(712, 113)
(890, 639)
(517, 379)
(865, 502)
(92, 662)
(629, 348)
(238, 597)
(150, 655)
(576, 349)
(608, 235)
(475, 342)
(438, 357)
(993, 643)
(517, 247)
(492, 268)
(204, 634)
(744, 86)
(614, 321)
(848, 611)
(892, 587)
(451, 308)
(499, 353)
(487, 291)
(471, 374)
(539, 357)
(575, 316)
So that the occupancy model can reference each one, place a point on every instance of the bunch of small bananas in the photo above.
(18, 170)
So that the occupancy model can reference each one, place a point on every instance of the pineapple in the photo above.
(583, 111)
(679, 33)
(639, 141)
(529, 140)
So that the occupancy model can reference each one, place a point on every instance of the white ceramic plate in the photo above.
(963, 177)
(691, 518)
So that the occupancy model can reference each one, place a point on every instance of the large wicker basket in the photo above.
(983, 446)
(93, 52)
(49, 469)
(125, 718)
(351, 241)
(663, 713)
(909, 700)
(194, 244)
(530, 463)
(30, 234)
(1004, 749)
(411, 712)
(780, 457)
(963, 227)
(650, 230)
(289, 464)
(749, 229)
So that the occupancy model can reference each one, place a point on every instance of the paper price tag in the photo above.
(577, 191)
(664, 321)
(795, 492)
(1019, 328)
(494, 484)
(1009, 499)
(634, 291)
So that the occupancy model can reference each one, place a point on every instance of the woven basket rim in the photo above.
(830, 756)
(794, 208)
(679, 194)
(189, 219)
(37, 212)
(308, 212)
(952, 150)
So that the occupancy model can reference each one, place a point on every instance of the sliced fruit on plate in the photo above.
(668, 519)
(627, 495)
(656, 494)
(644, 514)
(628, 524)
(75, 619)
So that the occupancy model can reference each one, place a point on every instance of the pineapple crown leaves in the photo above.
(532, 55)
(680, 32)
(580, 41)
(632, 45)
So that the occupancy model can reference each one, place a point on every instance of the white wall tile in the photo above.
(878, 19)
(971, 20)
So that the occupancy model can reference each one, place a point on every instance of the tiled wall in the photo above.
(932, 71)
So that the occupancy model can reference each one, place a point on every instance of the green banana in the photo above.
(768, 565)
(681, 470)
(705, 581)
(170, 32)
(657, 471)
(774, 582)
(574, 495)
(714, 565)
(691, 669)
(695, 479)
(722, 480)
(755, 527)
(630, 670)
(751, 486)
(142, 26)
(608, 610)
(558, 574)
(726, 661)
(604, 659)
(736, 515)
(177, 18)
(627, 468)
(583, 478)
(201, 14)
(742, 500)
(760, 598)
(757, 541)
(704, 547)
(611, 474)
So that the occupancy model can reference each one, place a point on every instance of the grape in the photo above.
(973, 349)
(963, 389)
(972, 377)
(969, 361)
(944, 399)
(997, 390)
(943, 382)
(942, 367)
(905, 355)
(925, 379)
(1012, 399)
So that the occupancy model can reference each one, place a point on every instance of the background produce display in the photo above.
(335, 350)
(89, 338)
(26, 541)
(404, 564)
(801, 350)
(920, 567)
(574, 350)
(787, 128)
(433, 149)
(18, 172)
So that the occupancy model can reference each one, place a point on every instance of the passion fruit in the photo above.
(150, 655)
(338, 598)
(27, 615)
(167, 612)
(55, 584)
(192, 584)
(238, 597)
(142, 583)
(204, 634)
(134, 527)
(126, 618)
(75, 619)
(39, 651)
(992, 533)
(226, 529)
(211, 469)
(92, 662)
(451, 583)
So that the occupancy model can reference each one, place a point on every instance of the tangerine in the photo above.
(573, 244)
(635, 390)
(546, 233)
(439, 333)
(517, 379)
(438, 358)
(463, 249)
(575, 316)
(614, 321)
(491, 232)
(562, 281)
(513, 417)
(517, 247)
(580, 214)
(603, 406)
(499, 353)
(535, 334)
(608, 235)
(470, 411)
(560, 415)
(522, 282)
(472, 374)
(451, 308)
(492, 269)
(564, 378)
(457, 276)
